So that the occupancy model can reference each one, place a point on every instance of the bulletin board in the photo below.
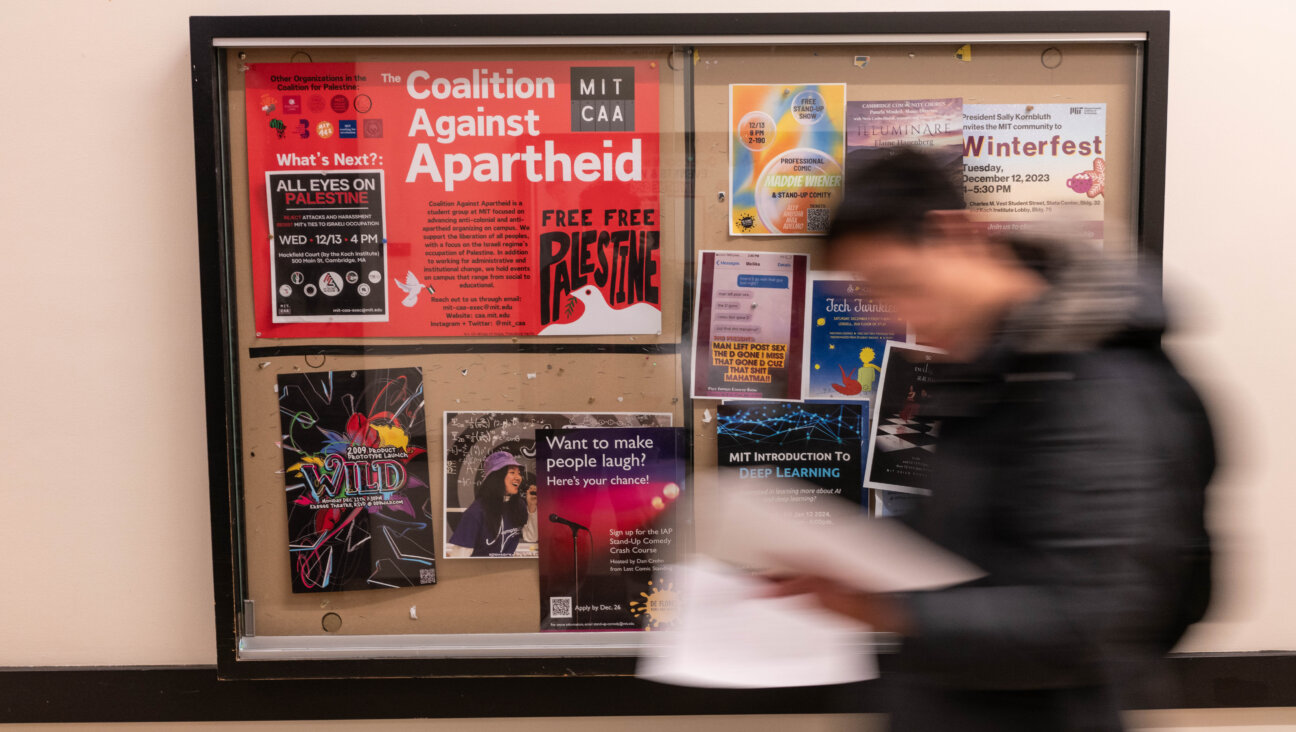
(270, 93)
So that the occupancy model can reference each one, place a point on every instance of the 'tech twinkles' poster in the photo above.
(817, 444)
(454, 198)
(355, 469)
(785, 157)
(747, 328)
(1030, 168)
(491, 490)
(608, 528)
(846, 334)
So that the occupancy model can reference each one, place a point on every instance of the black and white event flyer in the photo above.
(328, 246)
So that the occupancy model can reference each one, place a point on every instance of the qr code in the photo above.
(427, 576)
(817, 218)
(560, 607)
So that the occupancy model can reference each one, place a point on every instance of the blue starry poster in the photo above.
(846, 337)
(817, 445)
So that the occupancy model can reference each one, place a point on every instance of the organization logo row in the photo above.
(316, 104)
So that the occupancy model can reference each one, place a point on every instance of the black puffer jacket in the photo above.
(1071, 466)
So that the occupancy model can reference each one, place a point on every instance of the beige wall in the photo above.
(102, 451)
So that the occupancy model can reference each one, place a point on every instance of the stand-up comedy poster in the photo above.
(466, 199)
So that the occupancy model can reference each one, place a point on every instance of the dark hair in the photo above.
(893, 194)
(496, 502)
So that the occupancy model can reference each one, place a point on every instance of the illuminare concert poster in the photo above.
(608, 526)
(355, 469)
(846, 334)
(875, 128)
(454, 198)
(747, 326)
(491, 490)
(904, 437)
(817, 444)
(785, 157)
(1032, 167)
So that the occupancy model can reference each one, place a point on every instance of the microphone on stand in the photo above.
(555, 518)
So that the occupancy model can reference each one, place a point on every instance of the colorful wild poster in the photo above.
(785, 157)
(355, 469)
(874, 128)
(491, 491)
(454, 198)
(608, 528)
(818, 445)
(747, 327)
(846, 334)
(904, 434)
(1037, 168)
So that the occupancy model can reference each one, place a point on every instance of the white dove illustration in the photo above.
(601, 319)
(411, 287)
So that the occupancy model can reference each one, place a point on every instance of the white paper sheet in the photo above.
(728, 636)
(868, 554)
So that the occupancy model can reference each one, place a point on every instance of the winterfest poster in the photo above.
(904, 434)
(1029, 166)
(355, 470)
(427, 199)
(874, 128)
(747, 326)
(817, 444)
(491, 488)
(785, 157)
(608, 528)
(846, 334)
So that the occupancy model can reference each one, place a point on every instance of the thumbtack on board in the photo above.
(964, 53)
(861, 61)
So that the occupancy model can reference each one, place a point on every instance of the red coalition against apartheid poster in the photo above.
(454, 199)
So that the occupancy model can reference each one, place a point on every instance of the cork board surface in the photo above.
(502, 596)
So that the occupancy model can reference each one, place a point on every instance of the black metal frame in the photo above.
(349, 689)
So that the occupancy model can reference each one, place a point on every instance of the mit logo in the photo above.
(602, 98)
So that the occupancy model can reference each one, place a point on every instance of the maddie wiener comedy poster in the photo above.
(454, 198)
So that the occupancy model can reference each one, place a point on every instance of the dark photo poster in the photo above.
(355, 470)
(819, 445)
(904, 438)
(608, 530)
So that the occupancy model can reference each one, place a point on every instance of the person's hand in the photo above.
(884, 613)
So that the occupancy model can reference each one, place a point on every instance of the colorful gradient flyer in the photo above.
(785, 157)
(608, 529)
(355, 471)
